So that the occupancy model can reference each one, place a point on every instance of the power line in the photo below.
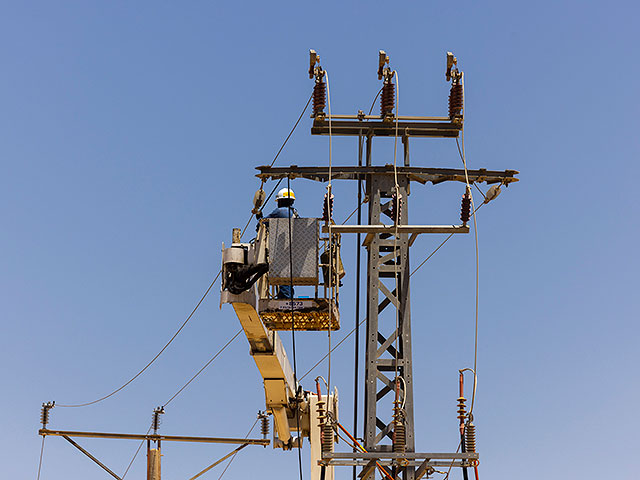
(202, 369)
(154, 358)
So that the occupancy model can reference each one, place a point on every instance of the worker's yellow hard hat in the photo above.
(285, 193)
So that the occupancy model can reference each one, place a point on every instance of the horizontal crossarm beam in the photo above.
(391, 229)
(386, 129)
(418, 174)
(166, 438)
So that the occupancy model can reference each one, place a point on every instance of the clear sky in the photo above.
(129, 133)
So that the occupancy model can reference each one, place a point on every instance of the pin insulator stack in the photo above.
(399, 430)
(470, 437)
(462, 410)
(327, 438)
(264, 425)
(465, 209)
(387, 99)
(327, 207)
(155, 421)
(319, 97)
(456, 99)
(44, 413)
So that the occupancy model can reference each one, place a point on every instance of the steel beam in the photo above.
(386, 128)
(155, 438)
(392, 229)
(103, 466)
(417, 174)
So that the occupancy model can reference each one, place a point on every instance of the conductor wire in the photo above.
(202, 369)
(396, 220)
(461, 151)
(153, 359)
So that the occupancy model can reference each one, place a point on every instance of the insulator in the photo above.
(387, 99)
(399, 430)
(319, 97)
(456, 99)
(470, 437)
(327, 208)
(155, 421)
(264, 426)
(462, 409)
(399, 438)
(396, 208)
(44, 413)
(465, 209)
(327, 438)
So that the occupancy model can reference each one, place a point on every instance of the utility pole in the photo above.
(389, 430)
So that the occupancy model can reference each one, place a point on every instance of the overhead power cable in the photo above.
(276, 157)
(154, 358)
(461, 151)
(202, 369)
(439, 246)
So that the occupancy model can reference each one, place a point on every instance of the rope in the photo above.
(41, 454)
(153, 359)
(202, 369)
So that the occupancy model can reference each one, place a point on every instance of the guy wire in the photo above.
(41, 454)
(135, 454)
(154, 358)
(234, 455)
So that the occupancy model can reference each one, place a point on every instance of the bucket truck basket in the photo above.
(293, 257)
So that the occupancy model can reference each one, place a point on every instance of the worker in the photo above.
(285, 199)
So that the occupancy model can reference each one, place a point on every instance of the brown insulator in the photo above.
(470, 437)
(327, 438)
(327, 207)
(44, 414)
(387, 99)
(264, 425)
(465, 209)
(456, 100)
(319, 97)
(399, 430)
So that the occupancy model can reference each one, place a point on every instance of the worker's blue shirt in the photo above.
(283, 212)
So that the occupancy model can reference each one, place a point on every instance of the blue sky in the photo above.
(129, 134)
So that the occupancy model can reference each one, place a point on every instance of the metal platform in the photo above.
(309, 314)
